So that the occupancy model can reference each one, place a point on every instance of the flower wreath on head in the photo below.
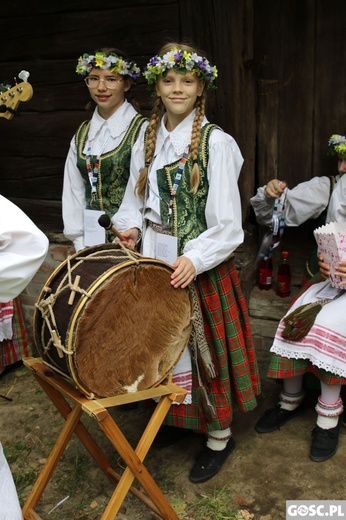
(337, 145)
(107, 60)
(183, 62)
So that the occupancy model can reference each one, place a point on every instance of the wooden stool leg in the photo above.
(52, 460)
(58, 390)
(134, 459)
(82, 433)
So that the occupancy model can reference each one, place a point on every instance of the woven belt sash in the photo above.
(158, 228)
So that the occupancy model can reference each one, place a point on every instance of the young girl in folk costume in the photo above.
(308, 200)
(188, 196)
(322, 349)
(98, 162)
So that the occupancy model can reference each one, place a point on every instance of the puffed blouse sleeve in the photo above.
(224, 231)
(130, 212)
(23, 248)
(305, 201)
(73, 199)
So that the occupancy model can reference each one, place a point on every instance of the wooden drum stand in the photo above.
(58, 389)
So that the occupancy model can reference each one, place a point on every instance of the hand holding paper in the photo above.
(331, 241)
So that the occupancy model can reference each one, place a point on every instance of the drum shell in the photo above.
(127, 330)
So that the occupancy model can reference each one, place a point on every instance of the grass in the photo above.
(218, 506)
(22, 478)
(74, 475)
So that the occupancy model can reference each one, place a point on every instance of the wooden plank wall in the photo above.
(47, 43)
(225, 30)
(330, 82)
(299, 46)
(294, 46)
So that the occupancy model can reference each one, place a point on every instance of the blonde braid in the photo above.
(195, 140)
(154, 122)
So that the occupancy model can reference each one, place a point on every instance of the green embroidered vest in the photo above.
(188, 209)
(114, 168)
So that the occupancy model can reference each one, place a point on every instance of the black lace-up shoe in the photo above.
(209, 462)
(274, 418)
(324, 443)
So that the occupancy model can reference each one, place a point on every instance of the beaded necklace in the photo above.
(175, 186)
(176, 182)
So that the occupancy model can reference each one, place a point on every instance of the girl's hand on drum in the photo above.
(130, 237)
(324, 268)
(184, 272)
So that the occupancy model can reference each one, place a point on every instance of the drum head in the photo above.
(132, 331)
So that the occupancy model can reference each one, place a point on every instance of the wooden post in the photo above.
(267, 130)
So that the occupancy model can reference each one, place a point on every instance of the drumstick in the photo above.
(105, 222)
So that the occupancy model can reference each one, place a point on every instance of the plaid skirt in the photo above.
(13, 350)
(228, 333)
(283, 368)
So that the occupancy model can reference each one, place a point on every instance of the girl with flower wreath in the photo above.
(308, 200)
(183, 195)
(98, 162)
(311, 337)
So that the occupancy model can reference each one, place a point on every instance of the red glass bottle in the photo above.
(265, 274)
(283, 287)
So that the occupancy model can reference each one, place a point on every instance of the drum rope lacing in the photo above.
(49, 298)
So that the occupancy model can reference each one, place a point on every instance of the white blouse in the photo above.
(224, 231)
(104, 135)
(305, 201)
(23, 247)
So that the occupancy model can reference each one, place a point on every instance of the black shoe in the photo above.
(168, 435)
(273, 418)
(209, 462)
(324, 443)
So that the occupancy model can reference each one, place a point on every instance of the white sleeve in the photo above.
(305, 201)
(23, 248)
(129, 214)
(73, 200)
(224, 231)
(263, 207)
(337, 205)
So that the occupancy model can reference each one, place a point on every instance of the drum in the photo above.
(109, 320)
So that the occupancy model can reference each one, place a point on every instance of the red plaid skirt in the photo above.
(13, 350)
(227, 330)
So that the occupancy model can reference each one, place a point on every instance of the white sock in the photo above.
(328, 414)
(290, 401)
(218, 439)
(326, 423)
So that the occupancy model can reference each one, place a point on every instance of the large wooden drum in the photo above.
(109, 320)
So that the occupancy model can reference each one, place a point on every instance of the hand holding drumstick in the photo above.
(127, 238)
